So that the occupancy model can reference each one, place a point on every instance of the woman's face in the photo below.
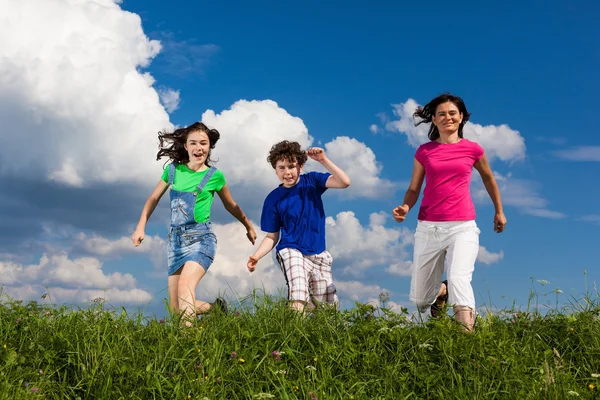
(447, 118)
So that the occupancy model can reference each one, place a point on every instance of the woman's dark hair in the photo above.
(285, 150)
(427, 112)
(171, 144)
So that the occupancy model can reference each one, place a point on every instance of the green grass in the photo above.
(361, 353)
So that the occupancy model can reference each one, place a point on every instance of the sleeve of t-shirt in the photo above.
(165, 174)
(218, 179)
(420, 156)
(319, 179)
(269, 219)
(477, 152)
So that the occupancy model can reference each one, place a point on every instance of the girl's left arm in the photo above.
(235, 210)
(492, 188)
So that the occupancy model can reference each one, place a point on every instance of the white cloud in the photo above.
(498, 141)
(99, 246)
(229, 275)
(580, 153)
(66, 279)
(250, 128)
(73, 89)
(591, 218)
(522, 194)
(356, 248)
(359, 162)
(169, 99)
(358, 291)
(374, 128)
(487, 257)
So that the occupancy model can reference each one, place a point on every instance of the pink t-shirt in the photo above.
(448, 169)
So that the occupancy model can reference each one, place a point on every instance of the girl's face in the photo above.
(197, 146)
(447, 118)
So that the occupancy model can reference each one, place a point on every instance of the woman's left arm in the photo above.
(235, 210)
(492, 188)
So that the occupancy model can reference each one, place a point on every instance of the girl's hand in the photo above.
(316, 153)
(137, 237)
(252, 261)
(499, 222)
(400, 212)
(251, 235)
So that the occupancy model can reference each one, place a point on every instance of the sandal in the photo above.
(440, 303)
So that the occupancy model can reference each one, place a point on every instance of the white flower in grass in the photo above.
(264, 396)
(280, 372)
(310, 367)
(572, 393)
(595, 375)
(426, 346)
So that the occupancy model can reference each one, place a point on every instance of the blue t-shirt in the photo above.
(298, 213)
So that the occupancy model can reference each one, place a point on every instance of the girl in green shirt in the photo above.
(191, 242)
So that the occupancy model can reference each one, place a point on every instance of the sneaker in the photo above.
(221, 304)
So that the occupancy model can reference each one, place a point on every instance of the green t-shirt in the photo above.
(186, 180)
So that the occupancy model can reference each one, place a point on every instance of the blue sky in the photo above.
(341, 69)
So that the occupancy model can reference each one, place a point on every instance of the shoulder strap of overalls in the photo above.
(171, 173)
(206, 178)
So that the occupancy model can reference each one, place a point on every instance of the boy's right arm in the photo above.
(265, 247)
(147, 211)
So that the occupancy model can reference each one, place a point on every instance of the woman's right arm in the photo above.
(147, 211)
(412, 194)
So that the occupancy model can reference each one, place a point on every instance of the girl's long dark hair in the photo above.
(171, 144)
(427, 112)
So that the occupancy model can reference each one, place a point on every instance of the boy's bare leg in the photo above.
(297, 305)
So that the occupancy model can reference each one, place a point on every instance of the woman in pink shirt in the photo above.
(446, 229)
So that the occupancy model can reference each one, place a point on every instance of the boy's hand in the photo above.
(316, 153)
(400, 212)
(251, 235)
(252, 261)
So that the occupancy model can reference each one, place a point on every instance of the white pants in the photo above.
(457, 243)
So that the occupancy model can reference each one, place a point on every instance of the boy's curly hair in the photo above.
(285, 150)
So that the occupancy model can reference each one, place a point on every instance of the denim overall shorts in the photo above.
(189, 240)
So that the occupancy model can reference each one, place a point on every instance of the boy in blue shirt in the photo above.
(293, 215)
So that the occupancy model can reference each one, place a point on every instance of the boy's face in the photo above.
(288, 172)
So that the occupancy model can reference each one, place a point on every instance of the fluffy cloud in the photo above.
(594, 218)
(249, 129)
(523, 194)
(99, 246)
(169, 99)
(500, 142)
(73, 90)
(359, 162)
(580, 153)
(487, 257)
(67, 280)
(356, 247)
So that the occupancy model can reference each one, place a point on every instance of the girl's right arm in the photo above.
(265, 247)
(412, 194)
(147, 211)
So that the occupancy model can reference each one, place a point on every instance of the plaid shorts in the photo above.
(308, 277)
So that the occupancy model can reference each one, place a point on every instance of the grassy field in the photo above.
(263, 350)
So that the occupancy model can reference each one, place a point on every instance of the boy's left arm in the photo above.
(338, 178)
